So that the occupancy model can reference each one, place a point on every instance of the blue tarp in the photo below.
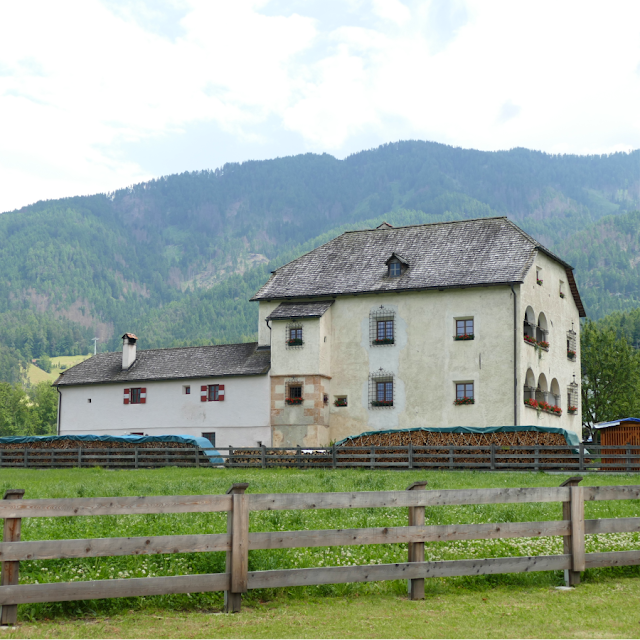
(570, 437)
(195, 441)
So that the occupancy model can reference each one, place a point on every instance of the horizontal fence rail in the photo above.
(238, 541)
(611, 458)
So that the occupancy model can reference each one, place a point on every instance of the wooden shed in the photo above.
(623, 433)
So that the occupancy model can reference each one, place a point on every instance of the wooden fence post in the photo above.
(493, 456)
(264, 456)
(238, 558)
(574, 543)
(334, 457)
(410, 455)
(10, 570)
(416, 549)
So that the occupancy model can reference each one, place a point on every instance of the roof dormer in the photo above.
(397, 265)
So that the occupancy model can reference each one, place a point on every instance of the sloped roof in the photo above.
(287, 310)
(170, 364)
(485, 251)
(614, 423)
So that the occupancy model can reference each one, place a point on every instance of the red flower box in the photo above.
(465, 400)
(294, 400)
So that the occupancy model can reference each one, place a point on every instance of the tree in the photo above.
(45, 363)
(610, 376)
(44, 409)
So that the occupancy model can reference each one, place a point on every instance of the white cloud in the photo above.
(87, 81)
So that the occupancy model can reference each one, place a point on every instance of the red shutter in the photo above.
(221, 392)
(203, 393)
(143, 395)
(126, 396)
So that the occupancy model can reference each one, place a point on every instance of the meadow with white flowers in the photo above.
(173, 481)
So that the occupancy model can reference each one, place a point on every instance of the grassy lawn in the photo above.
(515, 604)
(606, 609)
(36, 375)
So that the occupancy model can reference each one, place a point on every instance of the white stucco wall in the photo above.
(425, 360)
(314, 357)
(242, 419)
(562, 315)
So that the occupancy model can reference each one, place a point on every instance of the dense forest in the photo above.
(176, 259)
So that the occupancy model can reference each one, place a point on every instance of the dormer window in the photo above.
(396, 265)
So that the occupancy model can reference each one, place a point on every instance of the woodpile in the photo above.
(99, 453)
(503, 441)
(358, 451)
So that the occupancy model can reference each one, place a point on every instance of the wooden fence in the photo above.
(238, 540)
(489, 457)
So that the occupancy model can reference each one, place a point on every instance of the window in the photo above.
(464, 393)
(384, 391)
(212, 393)
(294, 335)
(561, 289)
(572, 343)
(539, 276)
(464, 329)
(395, 269)
(294, 395)
(186, 390)
(381, 389)
(89, 400)
(382, 326)
(135, 396)
(340, 401)
(384, 334)
(211, 437)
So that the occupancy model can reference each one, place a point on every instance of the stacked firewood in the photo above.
(66, 452)
(443, 441)
(439, 457)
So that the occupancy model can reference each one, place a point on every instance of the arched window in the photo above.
(555, 398)
(530, 386)
(529, 325)
(542, 331)
(542, 389)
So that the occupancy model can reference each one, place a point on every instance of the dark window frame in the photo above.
(213, 393)
(210, 436)
(382, 390)
(395, 268)
(135, 395)
(377, 316)
(465, 329)
(294, 335)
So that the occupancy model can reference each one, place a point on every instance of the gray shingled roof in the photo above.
(300, 310)
(442, 255)
(170, 364)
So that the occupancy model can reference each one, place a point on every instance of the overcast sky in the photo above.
(96, 95)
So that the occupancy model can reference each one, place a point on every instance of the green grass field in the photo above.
(36, 375)
(270, 604)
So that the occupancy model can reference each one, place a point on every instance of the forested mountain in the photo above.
(176, 259)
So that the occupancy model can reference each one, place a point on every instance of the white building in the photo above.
(369, 332)
(219, 392)
(469, 323)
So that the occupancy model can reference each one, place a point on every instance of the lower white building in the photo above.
(218, 392)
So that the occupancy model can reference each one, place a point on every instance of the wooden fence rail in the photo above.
(238, 540)
(487, 457)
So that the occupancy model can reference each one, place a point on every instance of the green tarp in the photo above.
(570, 437)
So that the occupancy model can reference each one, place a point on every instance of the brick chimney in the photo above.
(128, 350)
